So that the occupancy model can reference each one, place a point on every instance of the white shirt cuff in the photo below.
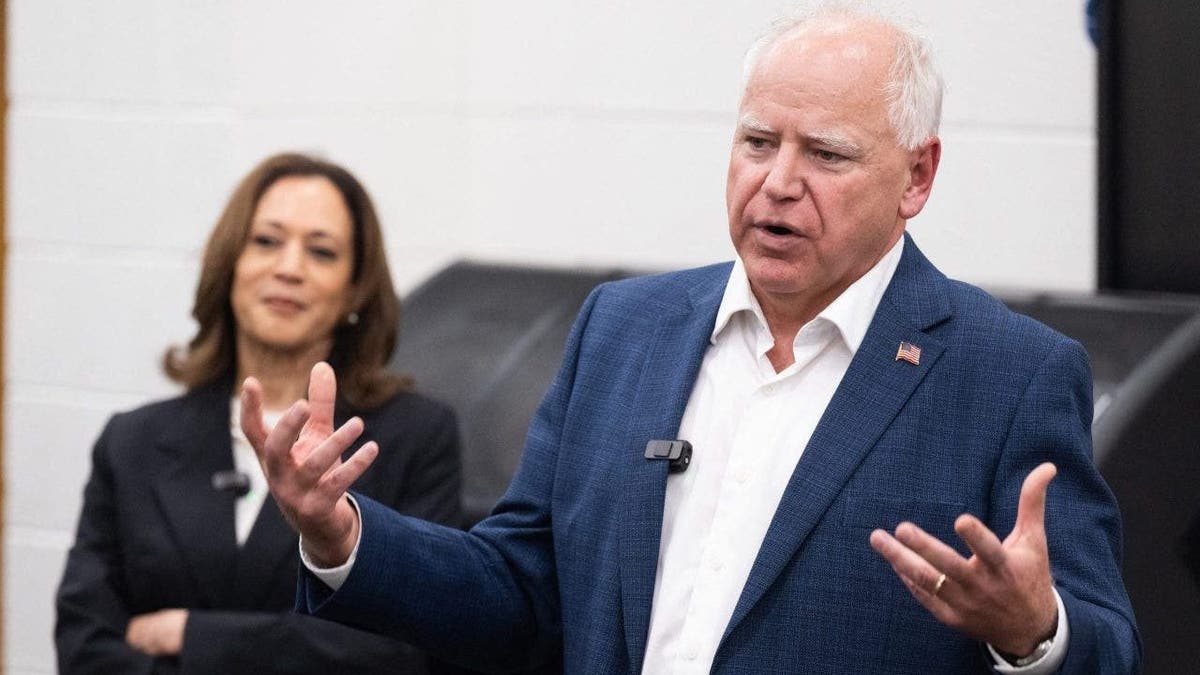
(1052, 659)
(334, 577)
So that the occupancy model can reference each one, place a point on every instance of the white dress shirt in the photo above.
(246, 508)
(749, 426)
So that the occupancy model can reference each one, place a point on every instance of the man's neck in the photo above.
(785, 317)
(786, 314)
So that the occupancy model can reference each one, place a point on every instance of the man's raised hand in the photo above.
(301, 458)
(1003, 594)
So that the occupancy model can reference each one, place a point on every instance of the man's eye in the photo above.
(756, 142)
(828, 156)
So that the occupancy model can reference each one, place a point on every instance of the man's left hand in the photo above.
(1003, 594)
(157, 633)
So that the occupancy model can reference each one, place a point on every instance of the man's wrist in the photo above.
(1039, 662)
(1038, 652)
(1025, 657)
(334, 577)
(335, 551)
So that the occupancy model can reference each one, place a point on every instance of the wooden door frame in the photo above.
(3, 278)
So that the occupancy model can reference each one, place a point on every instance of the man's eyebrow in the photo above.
(835, 142)
(749, 122)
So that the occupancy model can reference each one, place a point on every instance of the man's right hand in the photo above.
(301, 458)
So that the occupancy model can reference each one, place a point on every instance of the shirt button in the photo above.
(716, 565)
(742, 476)
(690, 653)
(770, 389)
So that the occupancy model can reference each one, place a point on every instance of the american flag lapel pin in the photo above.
(909, 352)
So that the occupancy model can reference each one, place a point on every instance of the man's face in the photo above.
(818, 188)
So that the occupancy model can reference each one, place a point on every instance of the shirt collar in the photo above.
(851, 311)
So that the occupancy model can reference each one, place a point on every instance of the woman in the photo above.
(181, 562)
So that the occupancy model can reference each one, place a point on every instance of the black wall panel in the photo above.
(1149, 156)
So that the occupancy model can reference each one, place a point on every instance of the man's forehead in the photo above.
(842, 70)
(842, 43)
(846, 50)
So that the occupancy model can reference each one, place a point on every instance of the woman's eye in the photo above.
(264, 240)
(323, 253)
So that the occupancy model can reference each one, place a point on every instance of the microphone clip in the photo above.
(236, 482)
(678, 454)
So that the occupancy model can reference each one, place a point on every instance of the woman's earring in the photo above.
(352, 318)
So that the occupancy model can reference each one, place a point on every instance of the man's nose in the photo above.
(785, 177)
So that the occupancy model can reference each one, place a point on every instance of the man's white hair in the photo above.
(914, 87)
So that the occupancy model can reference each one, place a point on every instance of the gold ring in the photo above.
(937, 586)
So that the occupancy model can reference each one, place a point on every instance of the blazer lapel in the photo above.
(871, 394)
(200, 517)
(672, 362)
(267, 552)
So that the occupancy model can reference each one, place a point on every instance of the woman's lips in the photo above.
(283, 305)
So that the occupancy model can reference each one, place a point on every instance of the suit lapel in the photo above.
(870, 395)
(669, 373)
(200, 518)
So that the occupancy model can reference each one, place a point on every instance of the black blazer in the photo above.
(154, 534)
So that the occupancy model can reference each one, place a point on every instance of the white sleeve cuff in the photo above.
(1052, 659)
(334, 577)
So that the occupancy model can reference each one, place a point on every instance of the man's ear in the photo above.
(922, 167)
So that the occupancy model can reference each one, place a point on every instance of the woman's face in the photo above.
(291, 284)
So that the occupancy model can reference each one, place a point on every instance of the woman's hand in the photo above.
(157, 633)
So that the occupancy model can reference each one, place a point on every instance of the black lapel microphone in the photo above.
(678, 454)
(236, 482)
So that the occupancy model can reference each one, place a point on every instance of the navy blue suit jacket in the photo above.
(567, 561)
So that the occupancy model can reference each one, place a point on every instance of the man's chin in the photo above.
(774, 276)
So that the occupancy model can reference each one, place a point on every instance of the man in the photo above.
(833, 384)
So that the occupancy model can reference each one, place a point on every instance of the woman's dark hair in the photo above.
(360, 349)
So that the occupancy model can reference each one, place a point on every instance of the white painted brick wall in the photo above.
(546, 131)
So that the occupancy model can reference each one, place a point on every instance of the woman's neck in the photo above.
(283, 374)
